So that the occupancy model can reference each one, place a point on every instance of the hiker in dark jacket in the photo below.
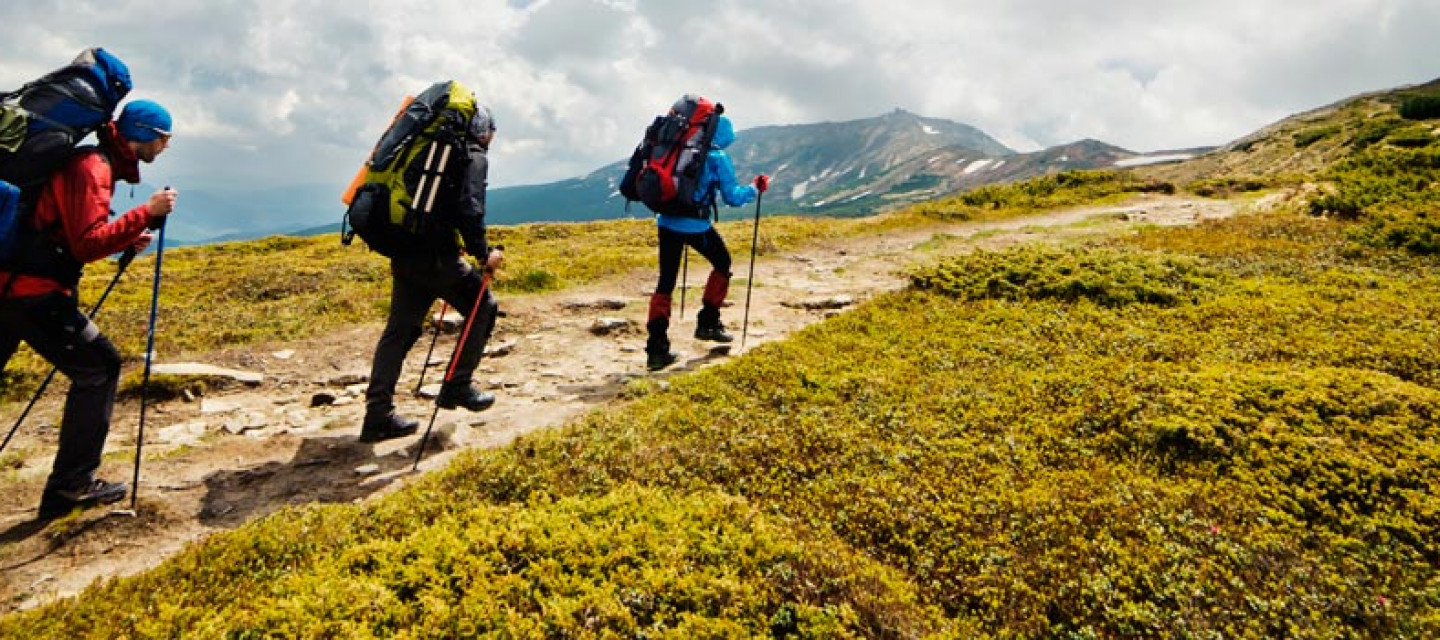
(717, 178)
(438, 270)
(38, 304)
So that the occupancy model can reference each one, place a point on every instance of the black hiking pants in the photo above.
(55, 329)
(415, 285)
(672, 248)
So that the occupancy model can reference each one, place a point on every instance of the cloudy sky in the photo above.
(287, 92)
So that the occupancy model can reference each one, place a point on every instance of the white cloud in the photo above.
(287, 91)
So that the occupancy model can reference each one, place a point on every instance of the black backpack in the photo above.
(40, 124)
(664, 170)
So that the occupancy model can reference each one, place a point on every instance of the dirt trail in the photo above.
(242, 452)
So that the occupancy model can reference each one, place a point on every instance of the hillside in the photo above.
(1310, 142)
(996, 414)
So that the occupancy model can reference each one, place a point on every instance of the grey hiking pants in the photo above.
(415, 284)
(55, 328)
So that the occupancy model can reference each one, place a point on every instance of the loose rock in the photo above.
(209, 371)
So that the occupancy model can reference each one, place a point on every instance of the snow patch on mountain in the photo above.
(1144, 160)
(976, 166)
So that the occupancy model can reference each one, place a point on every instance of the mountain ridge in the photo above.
(853, 167)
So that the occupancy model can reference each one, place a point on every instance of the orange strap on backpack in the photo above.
(349, 195)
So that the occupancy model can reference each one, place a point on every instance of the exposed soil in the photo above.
(243, 451)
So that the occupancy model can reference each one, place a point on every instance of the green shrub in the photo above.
(1311, 136)
(1415, 231)
(1374, 130)
(1411, 137)
(1228, 186)
(1423, 107)
(535, 280)
(1379, 178)
(1106, 277)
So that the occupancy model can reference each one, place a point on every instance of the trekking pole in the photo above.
(684, 275)
(125, 259)
(149, 354)
(454, 359)
(750, 280)
(418, 385)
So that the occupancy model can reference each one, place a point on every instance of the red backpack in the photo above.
(665, 169)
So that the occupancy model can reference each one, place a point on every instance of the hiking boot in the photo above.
(464, 396)
(58, 502)
(658, 361)
(386, 426)
(713, 333)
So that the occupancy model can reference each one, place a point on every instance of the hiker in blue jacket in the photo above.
(676, 231)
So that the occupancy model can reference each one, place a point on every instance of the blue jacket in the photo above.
(717, 177)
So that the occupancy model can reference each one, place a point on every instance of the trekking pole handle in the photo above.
(156, 226)
(486, 261)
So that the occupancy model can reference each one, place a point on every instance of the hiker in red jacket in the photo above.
(38, 300)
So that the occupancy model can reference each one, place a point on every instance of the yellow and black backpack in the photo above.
(392, 201)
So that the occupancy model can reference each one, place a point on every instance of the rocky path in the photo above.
(245, 449)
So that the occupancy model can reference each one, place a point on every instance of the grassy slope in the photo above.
(1226, 431)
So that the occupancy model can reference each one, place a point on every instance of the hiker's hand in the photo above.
(143, 242)
(494, 260)
(762, 182)
(162, 202)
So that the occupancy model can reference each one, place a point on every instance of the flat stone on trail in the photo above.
(607, 326)
(184, 433)
(211, 407)
(610, 304)
(205, 370)
(246, 422)
(284, 355)
(500, 350)
(832, 302)
(450, 323)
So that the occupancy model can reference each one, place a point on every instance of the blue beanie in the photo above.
(143, 121)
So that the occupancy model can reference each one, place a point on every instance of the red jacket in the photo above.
(79, 197)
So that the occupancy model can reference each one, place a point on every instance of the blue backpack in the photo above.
(40, 124)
